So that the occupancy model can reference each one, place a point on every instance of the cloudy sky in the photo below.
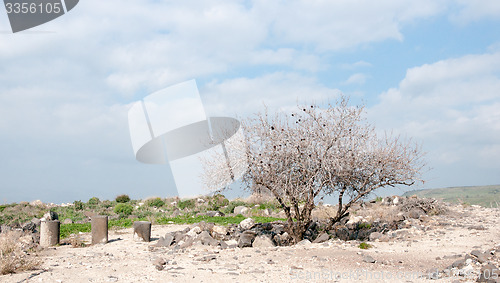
(427, 69)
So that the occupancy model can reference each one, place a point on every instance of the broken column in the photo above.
(99, 229)
(142, 231)
(49, 233)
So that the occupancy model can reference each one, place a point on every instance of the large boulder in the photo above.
(246, 239)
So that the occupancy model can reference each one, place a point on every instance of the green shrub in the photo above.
(94, 201)
(107, 203)
(266, 205)
(79, 205)
(123, 209)
(217, 201)
(157, 202)
(122, 198)
(189, 204)
(364, 225)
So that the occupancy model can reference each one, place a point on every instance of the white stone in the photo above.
(231, 242)
(194, 231)
(36, 202)
(240, 210)
(247, 223)
(219, 230)
(395, 201)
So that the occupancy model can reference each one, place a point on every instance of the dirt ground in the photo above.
(406, 258)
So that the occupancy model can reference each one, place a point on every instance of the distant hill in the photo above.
(487, 196)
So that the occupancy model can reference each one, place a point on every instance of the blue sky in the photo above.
(425, 69)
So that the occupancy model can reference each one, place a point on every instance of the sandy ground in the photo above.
(403, 259)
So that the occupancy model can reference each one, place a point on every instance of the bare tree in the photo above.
(303, 156)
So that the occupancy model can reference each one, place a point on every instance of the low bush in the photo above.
(94, 201)
(122, 198)
(79, 205)
(156, 202)
(217, 201)
(123, 209)
(189, 204)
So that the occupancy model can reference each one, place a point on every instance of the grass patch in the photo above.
(365, 225)
(75, 228)
(224, 220)
(364, 246)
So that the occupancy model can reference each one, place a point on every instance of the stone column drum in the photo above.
(142, 231)
(49, 233)
(99, 229)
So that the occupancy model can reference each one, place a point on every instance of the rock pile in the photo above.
(481, 266)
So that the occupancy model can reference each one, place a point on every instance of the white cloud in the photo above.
(471, 11)
(358, 78)
(355, 65)
(452, 107)
(244, 96)
(336, 25)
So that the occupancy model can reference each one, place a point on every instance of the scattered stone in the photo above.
(304, 242)
(240, 210)
(36, 203)
(159, 261)
(220, 230)
(247, 224)
(231, 243)
(89, 214)
(30, 226)
(36, 221)
(179, 236)
(416, 213)
(323, 237)
(207, 258)
(214, 214)
(207, 240)
(246, 239)
(477, 227)
(165, 241)
(481, 257)
(50, 216)
(67, 221)
(262, 241)
(375, 236)
(458, 264)
(369, 259)
(432, 274)
(194, 231)
(267, 212)
(489, 273)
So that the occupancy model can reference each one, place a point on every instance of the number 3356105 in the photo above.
(32, 8)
